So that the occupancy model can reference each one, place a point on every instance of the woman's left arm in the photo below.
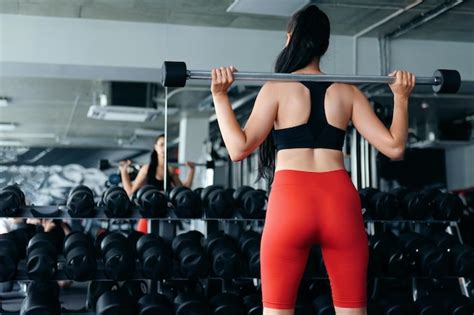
(242, 142)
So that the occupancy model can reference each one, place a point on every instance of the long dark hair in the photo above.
(151, 174)
(309, 29)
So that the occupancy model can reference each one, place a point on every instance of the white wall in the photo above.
(26, 41)
(460, 167)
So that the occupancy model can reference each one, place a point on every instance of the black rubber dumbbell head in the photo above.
(119, 262)
(9, 257)
(227, 304)
(191, 303)
(152, 304)
(41, 298)
(152, 202)
(81, 262)
(116, 202)
(155, 256)
(11, 199)
(42, 255)
(80, 202)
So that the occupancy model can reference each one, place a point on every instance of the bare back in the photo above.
(294, 105)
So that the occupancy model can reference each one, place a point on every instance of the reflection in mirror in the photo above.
(197, 137)
(57, 134)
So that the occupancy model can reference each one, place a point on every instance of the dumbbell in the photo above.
(41, 298)
(190, 254)
(249, 243)
(152, 202)
(12, 249)
(80, 202)
(373, 308)
(227, 304)
(81, 261)
(365, 195)
(187, 203)
(395, 304)
(251, 202)
(224, 258)
(322, 305)
(119, 261)
(253, 304)
(191, 303)
(11, 199)
(463, 260)
(457, 304)
(106, 298)
(132, 292)
(155, 256)
(426, 258)
(217, 202)
(447, 206)
(429, 305)
(415, 205)
(42, 253)
(154, 303)
(303, 306)
(387, 257)
(116, 202)
(383, 206)
(460, 255)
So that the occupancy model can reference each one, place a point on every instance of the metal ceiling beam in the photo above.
(423, 18)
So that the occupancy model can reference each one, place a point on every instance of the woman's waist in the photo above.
(300, 172)
(309, 160)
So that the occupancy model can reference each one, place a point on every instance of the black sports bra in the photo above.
(317, 132)
(159, 183)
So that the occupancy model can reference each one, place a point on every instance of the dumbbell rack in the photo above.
(166, 228)
(453, 227)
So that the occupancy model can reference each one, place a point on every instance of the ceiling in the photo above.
(348, 17)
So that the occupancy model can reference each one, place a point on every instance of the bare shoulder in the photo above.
(342, 88)
(286, 87)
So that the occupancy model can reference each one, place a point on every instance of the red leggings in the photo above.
(306, 208)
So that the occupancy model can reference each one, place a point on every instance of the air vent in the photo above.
(123, 113)
(264, 7)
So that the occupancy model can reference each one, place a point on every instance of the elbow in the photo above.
(237, 156)
(397, 153)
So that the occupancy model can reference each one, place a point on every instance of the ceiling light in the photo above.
(7, 126)
(10, 143)
(123, 113)
(103, 99)
(4, 101)
(147, 132)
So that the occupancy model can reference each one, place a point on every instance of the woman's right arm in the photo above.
(139, 181)
(391, 142)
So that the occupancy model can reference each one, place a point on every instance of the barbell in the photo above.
(175, 74)
(106, 164)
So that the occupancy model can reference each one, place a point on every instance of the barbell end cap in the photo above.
(450, 81)
(173, 74)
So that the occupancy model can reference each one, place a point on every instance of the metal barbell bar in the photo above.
(175, 74)
(106, 164)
